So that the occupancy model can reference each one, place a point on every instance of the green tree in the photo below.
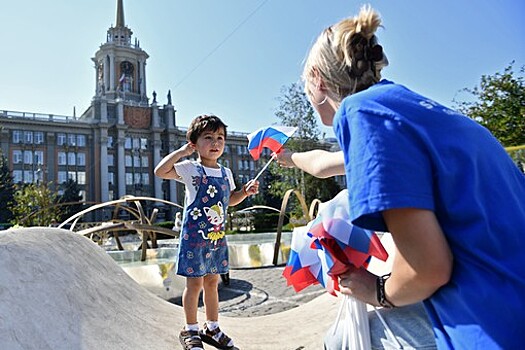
(7, 191)
(499, 105)
(35, 205)
(70, 196)
(295, 110)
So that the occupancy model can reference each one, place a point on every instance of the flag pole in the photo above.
(265, 166)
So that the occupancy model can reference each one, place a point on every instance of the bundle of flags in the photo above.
(328, 245)
(272, 137)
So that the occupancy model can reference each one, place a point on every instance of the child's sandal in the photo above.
(209, 337)
(190, 340)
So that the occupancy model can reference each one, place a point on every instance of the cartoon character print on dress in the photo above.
(215, 216)
(203, 246)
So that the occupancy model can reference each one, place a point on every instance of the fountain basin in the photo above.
(157, 273)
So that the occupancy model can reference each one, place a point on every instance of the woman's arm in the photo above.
(422, 261)
(165, 169)
(319, 163)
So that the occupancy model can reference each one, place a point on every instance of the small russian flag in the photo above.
(273, 137)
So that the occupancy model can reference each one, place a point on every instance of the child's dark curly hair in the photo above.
(204, 123)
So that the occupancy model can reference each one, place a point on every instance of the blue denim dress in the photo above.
(203, 246)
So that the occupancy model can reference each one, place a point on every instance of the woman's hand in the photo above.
(360, 284)
(284, 158)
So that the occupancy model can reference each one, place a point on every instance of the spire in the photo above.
(120, 14)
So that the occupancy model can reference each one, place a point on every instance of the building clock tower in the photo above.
(120, 65)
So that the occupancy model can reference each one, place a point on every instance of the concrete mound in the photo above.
(58, 290)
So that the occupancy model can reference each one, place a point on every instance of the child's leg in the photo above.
(211, 333)
(190, 298)
(211, 297)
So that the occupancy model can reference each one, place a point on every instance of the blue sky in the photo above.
(232, 57)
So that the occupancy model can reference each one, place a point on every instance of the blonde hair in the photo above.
(346, 55)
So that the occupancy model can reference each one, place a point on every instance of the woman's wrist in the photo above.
(381, 293)
(244, 191)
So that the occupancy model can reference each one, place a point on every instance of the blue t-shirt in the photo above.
(403, 150)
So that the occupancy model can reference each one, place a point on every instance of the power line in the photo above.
(221, 43)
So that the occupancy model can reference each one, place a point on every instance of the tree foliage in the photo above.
(295, 110)
(71, 198)
(7, 191)
(499, 105)
(35, 205)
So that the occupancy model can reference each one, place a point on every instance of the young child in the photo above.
(203, 251)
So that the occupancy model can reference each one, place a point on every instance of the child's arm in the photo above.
(248, 189)
(165, 169)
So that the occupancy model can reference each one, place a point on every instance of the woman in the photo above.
(439, 182)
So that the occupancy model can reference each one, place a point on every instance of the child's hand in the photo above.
(188, 149)
(251, 187)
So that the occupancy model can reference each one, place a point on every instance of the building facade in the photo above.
(111, 149)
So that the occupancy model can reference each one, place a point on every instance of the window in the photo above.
(136, 161)
(136, 143)
(71, 175)
(145, 161)
(111, 160)
(137, 178)
(128, 160)
(61, 158)
(71, 158)
(28, 177)
(81, 140)
(110, 142)
(17, 157)
(129, 179)
(28, 157)
(72, 139)
(143, 143)
(39, 157)
(111, 178)
(39, 176)
(17, 176)
(61, 177)
(127, 143)
(39, 137)
(28, 136)
(239, 164)
(61, 139)
(81, 177)
(81, 159)
(17, 136)
(145, 178)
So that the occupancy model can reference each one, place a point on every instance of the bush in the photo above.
(5, 226)
(267, 222)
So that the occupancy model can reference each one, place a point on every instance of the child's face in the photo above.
(210, 145)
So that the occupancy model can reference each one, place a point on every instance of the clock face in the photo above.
(126, 67)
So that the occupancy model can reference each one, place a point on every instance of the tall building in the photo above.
(111, 149)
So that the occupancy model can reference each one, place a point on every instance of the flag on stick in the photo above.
(272, 137)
